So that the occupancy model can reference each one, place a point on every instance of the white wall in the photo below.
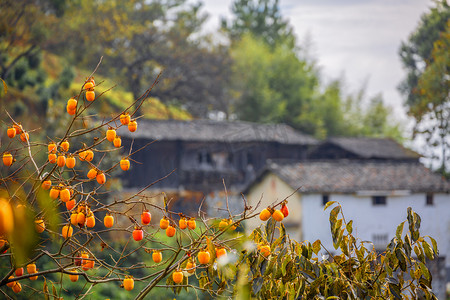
(371, 219)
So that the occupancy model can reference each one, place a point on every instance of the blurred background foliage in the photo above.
(252, 69)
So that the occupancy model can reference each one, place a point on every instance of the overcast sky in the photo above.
(354, 39)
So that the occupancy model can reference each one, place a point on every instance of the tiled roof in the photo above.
(348, 176)
(217, 131)
(377, 148)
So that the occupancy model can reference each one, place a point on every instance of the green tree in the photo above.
(261, 18)
(425, 57)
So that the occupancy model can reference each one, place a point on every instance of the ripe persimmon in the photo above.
(74, 218)
(64, 194)
(138, 234)
(51, 147)
(11, 132)
(182, 223)
(71, 204)
(203, 257)
(89, 155)
(19, 272)
(221, 252)
(265, 250)
(81, 218)
(18, 128)
(31, 268)
(223, 224)
(8, 159)
(11, 284)
(190, 266)
(125, 118)
(164, 223)
(101, 178)
(92, 173)
(265, 214)
(124, 164)
(157, 256)
(71, 161)
(24, 136)
(132, 126)
(52, 158)
(39, 226)
(111, 134)
(90, 95)
(278, 215)
(17, 287)
(108, 221)
(65, 146)
(117, 142)
(128, 283)
(46, 184)
(146, 217)
(61, 161)
(170, 231)
(72, 104)
(54, 193)
(177, 276)
(90, 221)
(191, 224)
(284, 209)
(67, 231)
(73, 277)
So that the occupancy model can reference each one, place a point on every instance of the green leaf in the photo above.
(350, 227)
(407, 245)
(435, 247)
(428, 250)
(395, 290)
(399, 231)
(419, 253)
(270, 227)
(316, 247)
(425, 271)
(401, 259)
(334, 212)
(328, 204)
(257, 284)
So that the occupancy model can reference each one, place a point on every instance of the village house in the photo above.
(203, 154)
(375, 187)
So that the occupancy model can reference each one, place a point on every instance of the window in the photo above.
(379, 200)
(325, 199)
(429, 199)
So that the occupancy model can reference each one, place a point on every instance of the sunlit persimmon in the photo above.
(264, 215)
(182, 223)
(177, 276)
(128, 283)
(11, 132)
(203, 257)
(90, 95)
(221, 252)
(8, 159)
(31, 268)
(89, 85)
(51, 147)
(138, 234)
(10, 284)
(278, 215)
(284, 209)
(17, 287)
(146, 217)
(24, 136)
(67, 231)
(90, 221)
(52, 158)
(223, 224)
(191, 224)
(265, 250)
(72, 103)
(65, 146)
(111, 134)
(70, 162)
(19, 272)
(71, 204)
(73, 277)
(132, 126)
(170, 231)
(117, 142)
(54, 193)
(163, 223)
(108, 221)
(125, 118)
(190, 266)
(92, 173)
(39, 226)
(125, 164)
(64, 194)
(61, 161)
(101, 178)
(46, 184)
(74, 218)
(157, 256)
(88, 264)
(18, 128)
(89, 155)
(81, 218)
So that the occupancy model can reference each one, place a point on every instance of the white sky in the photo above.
(354, 39)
